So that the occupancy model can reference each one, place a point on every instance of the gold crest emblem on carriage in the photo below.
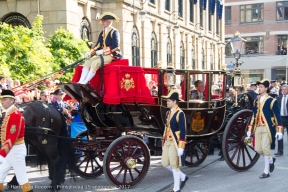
(198, 122)
(13, 129)
(127, 83)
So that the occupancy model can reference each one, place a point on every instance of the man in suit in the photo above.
(252, 91)
(60, 105)
(266, 123)
(282, 102)
(107, 46)
(199, 92)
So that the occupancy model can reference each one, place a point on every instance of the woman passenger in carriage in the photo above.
(107, 46)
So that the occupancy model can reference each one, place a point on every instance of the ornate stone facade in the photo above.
(184, 50)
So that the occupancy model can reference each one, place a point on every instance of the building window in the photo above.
(182, 56)
(228, 15)
(252, 13)
(153, 50)
(282, 42)
(253, 45)
(180, 8)
(201, 14)
(211, 62)
(152, 1)
(192, 11)
(203, 63)
(135, 48)
(193, 58)
(282, 10)
(209, 21)
(219, 61)
(169, 51)
(16, 19)
(228, 49)
(167, 5)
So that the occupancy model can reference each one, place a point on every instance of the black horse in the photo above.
(43, 124)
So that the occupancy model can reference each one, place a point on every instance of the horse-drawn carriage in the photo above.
(125, 122)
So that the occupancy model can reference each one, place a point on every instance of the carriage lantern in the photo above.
(170, 75)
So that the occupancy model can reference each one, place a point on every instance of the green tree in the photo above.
(23, 54)
(66, 49)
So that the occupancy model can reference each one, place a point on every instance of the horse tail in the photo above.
(67, 156)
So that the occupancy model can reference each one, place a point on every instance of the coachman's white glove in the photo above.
(1, 159)
(88, 55)
(99, 52)
(279, 136)
(248, 134)
(180, 151)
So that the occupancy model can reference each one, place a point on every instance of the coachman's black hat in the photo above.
(7, 93)
(173, 95)
(264, 82)
(109, 16)
(58, 92)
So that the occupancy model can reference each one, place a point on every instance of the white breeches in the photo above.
(15, 159)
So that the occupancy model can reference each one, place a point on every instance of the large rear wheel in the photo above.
(238, 156)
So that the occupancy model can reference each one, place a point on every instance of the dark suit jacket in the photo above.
(279, 99)
(195, 95)
(60, 108)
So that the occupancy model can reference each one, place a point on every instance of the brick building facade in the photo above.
(264, 25)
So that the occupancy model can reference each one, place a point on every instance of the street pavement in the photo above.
(211, 176)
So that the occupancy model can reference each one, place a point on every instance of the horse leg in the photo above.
(13, 184)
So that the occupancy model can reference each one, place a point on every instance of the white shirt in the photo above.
(262, 98)
(9, 109)
(283, 105)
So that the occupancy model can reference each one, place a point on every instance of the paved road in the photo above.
(211, 176)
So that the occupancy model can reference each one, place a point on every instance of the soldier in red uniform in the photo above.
(13, 151)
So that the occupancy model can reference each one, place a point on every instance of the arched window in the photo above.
(169, 51)
(153, 50)
(219, 62)
(211, 62)
(203, 64)
(16, 19)
(135, 48)
(182, 55)
(193, 58)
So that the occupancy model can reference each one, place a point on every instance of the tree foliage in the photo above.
(66, 49)
(24, 55)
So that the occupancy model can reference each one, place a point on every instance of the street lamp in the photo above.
(236, 44)
(142, 12)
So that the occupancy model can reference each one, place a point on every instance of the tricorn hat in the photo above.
(265, 82)
(109, 16)
(173, 95)
(58, 92)
(7, 93)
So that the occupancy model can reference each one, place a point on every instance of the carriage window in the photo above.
(152, 83)
(217, 86)
(180, 84)
(198, 88)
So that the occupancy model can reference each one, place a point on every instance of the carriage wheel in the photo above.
(88, 164)
(238, 156)
(126, 161)
(196, 152)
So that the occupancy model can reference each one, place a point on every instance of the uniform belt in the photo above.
(18, 142)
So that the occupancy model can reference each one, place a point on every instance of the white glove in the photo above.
(248, 134)
(180, 151)
(1, 159)
(279, 136)
(88, 55)
(99, 52)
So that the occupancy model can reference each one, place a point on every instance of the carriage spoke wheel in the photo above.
(88, 163)
(196, 152)
(238, 156)
(126, 161)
